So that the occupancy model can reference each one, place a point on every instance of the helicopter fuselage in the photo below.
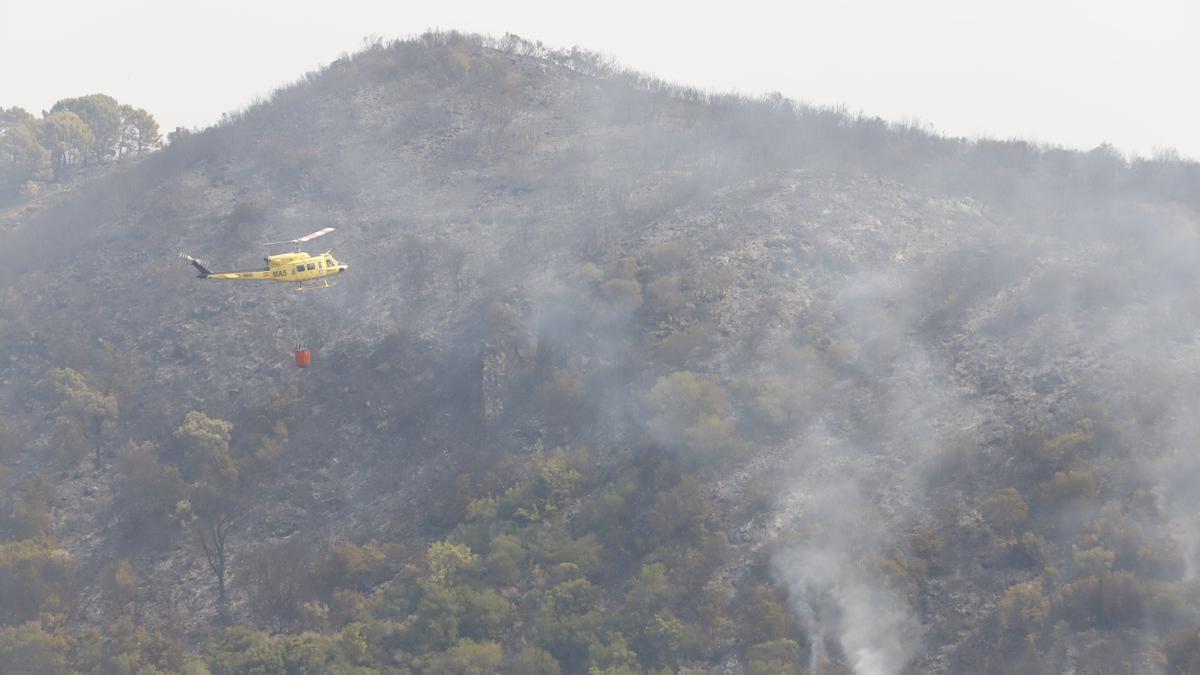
(293, 268)
(296, 267)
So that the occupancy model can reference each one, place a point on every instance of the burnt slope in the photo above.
(839, 326)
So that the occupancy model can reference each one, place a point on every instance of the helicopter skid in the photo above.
(325, 284)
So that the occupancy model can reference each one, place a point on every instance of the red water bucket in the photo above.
(303, 357)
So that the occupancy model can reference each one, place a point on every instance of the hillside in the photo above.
(625, 378)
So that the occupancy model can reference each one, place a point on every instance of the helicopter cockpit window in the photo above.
(299, 268)
(312, 266)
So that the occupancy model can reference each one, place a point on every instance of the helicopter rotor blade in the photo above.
(308, 237)
(319, 233)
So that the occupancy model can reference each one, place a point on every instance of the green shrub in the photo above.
(486, 614)
(1062, 446)
(684, 344)
(30, 516)
(533, 661)
(505, 562)
(1165, 605)
(1091, 562)
(611, 654)
(348, 565)
(467, 657)
(765, 619)
(1005, 510)
(776, 657)
(1066, 487)
(1030, 551)
(911, 575)
(623, 294)
(447, 561)
(1109, 600)
(693, 415)
(666, 295)
(35, 578)
(1022, 612)
(1182, 651)
(26, 648)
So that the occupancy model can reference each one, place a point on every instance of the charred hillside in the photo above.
(625, 377)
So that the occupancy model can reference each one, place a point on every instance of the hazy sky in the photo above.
(1069, 72)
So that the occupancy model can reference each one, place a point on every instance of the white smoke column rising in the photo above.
(859, 480)
(833, 585)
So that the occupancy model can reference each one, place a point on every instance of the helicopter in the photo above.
(296, 267)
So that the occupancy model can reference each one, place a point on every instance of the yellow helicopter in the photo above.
(296, 267)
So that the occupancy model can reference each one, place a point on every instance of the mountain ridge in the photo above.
(734, 306)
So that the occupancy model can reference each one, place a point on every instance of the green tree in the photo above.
(649, 591)
(210, 514)
(505, 560)
(68, 139)
(139, 131)
(215, 499)
(146, 490)
(554, 482)
(1005, 510)
(1066, 487)
(623, 294)
(205, 442)
(180, 134)
(21, 155)
(83, 411)
(279, 582)
(1029, 550)
(35, 577)
(245, 650)
(446, 561)
(765, 618)
(1090, 562)
(30, 516)
(562, 397)
(1022, 612)
(127, 647)
(437, 616)
(348, 565)
(118, 372)
(121, 585)
(775, 656)
(467, 657)
(26, 648)
(534, 661)
(102, 114)
(13, 117)
(692, 414)
(486, 613)
(612, 654)
(678, 512)
(1109, 600)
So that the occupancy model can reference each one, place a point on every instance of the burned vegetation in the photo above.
(628, 378)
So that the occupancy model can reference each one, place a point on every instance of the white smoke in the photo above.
(836, 587)
(860, 476)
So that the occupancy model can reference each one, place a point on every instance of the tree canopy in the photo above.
(75, 132)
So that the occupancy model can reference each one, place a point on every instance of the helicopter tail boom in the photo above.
(204, 271)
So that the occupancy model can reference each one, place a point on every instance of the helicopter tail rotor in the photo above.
(204, 271)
